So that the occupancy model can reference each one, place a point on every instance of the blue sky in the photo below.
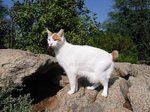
(100, 7)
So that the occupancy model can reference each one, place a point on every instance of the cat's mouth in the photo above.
(48, 46)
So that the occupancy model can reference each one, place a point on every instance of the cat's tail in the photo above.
(115, 55)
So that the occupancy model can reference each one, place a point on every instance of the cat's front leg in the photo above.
(73, 83)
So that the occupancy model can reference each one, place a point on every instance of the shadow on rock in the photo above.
(41, 86)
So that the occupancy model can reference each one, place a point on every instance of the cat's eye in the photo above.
(49, 39)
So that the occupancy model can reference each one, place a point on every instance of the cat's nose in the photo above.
(50, 44)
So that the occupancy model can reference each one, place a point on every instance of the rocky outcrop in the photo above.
(19, 64)
(129, 91)
(129, 86)
(40, 73)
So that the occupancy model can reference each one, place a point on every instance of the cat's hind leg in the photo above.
(104, 81)
(93, 86)
(105, 89)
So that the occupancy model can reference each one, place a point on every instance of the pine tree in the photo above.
(2, 23)
(132, 18)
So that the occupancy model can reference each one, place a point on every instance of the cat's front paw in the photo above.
(90, 88)
(104, 94)
(70, 92)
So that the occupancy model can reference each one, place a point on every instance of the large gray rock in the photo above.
(140, 70)
(139, 88)
(139, 94)
(91, 100)
(18, 64)
(39, 73)
(122, 69)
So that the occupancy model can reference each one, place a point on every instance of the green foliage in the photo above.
(132, 18)
(111, 41)
(12, 104)
(33, 17)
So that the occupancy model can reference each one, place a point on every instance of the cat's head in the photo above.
(55, 40)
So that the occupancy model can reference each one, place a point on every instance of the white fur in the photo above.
(93, 63)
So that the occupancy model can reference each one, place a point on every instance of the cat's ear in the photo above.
(49, 32)
(61, 33)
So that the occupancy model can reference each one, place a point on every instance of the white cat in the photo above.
(93, 63)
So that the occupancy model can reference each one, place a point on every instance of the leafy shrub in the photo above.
(12, 104)
(34, 17)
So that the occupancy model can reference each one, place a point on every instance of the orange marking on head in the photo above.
(56, 37)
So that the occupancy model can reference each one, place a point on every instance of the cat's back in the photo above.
(84, 53)
(87, 57)
(90, 50)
